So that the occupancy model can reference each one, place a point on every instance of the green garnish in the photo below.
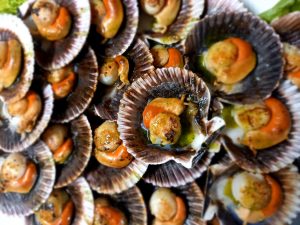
(282, 8)
(10, 6)
(227, 116)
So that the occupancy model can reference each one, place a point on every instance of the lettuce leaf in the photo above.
(10, 6)
(282, 8)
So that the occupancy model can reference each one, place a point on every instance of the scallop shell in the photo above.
(86, 68)
(188, 15)
(260, 83)
(288, 177)
(142, 59)
(55, 55)
(172, 174)
(288, 28)
(12, 26)
(279, 156)
(125, 36)
(83, 200)
(26, 204)
(170, 82)
(17, 142)
(217, 6)
(106, 180)
(133, 202)
(82, 137)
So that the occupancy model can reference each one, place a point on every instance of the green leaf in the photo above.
(10, 6)
(282, 8)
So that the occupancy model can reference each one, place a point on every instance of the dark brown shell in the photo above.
(172, 174)
(12, 26)
(217, 6)
(26, 204)
(288, 28)
(142, 59)
(82, 138)
(260, 83)
(83, 200)
(86, 69)
(125, 36)
(189, 14)
(171, 82)
(106, 180)
(279, 156)
(289, 180)
(17, 142)
(57, 54)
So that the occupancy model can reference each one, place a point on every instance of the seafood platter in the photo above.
(139, 112)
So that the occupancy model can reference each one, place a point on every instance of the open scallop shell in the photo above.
(142, 59)
(265, 77)
(26, 204)
(125, 36)
(172, 174)
(279, 156)
(289, 180)
(288, 28)
(17, 142)
(82, 138)
(86, 69)
(217, 6)
(12, 26)
(83, 200)
(57, 54)
(171, 82)
(106, 180)
(188, 15)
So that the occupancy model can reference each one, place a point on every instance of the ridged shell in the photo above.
(125, 36)
(188, 15)
(142, 59)
(170, 82)
(217, 6)
(12, 26)
(288, 28)
(57, 54)
(82, 137)
(17, 142)
(172, 174)
(106, 180)
(26, 204)
(279, 156)
(132, 200)
(289, 180)
(86, 69)
(260, 83)
(83, 200)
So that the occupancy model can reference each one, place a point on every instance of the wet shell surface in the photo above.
(82, 138)
(279, 156)
(166, 83)
(83, 200)
(142, 61)
(133, 203)
(57, 54)
(106, 180)
(217, 6)
(86, 70)
(288, 27)
(189, 14)
(26, 204)
(288, 178)
(11, 26)
(265, 77)
(17, 142)
(125, 36)
(172, 174)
